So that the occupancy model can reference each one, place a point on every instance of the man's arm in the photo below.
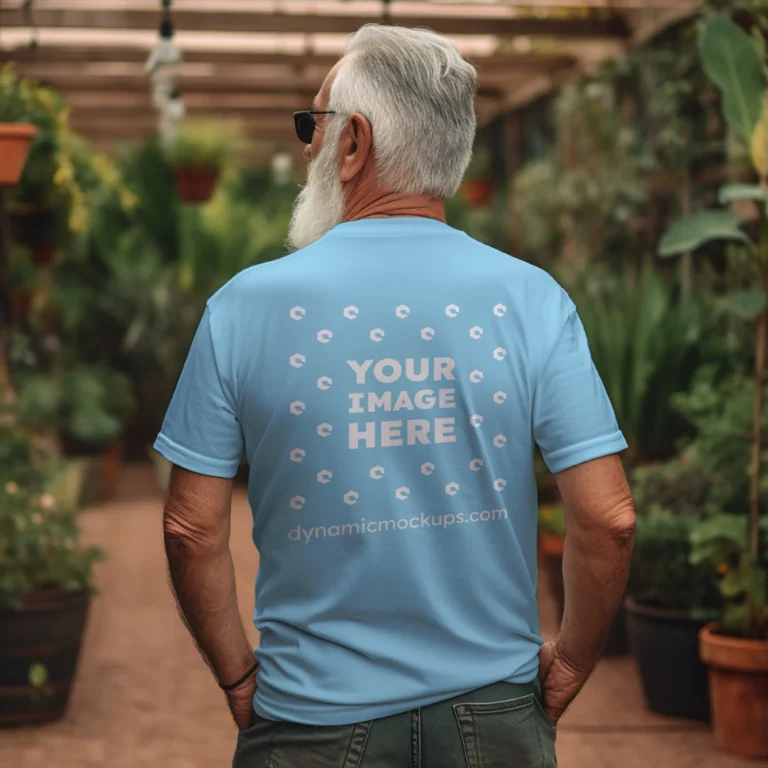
(600, 534)
(196, 526)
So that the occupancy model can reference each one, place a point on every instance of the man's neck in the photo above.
(384, 205)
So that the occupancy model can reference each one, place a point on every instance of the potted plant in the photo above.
(47, 190)
(551, 545)
(16, 131)
(15, 138)
(478, 186)
(87, 407)
(197, 154)
(45, 586)
(736, 650)
(670, 600)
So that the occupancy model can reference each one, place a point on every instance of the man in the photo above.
(386, 383)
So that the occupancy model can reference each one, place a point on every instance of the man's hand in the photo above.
(560, 680)
(240, 702)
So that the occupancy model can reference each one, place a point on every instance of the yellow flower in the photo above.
(11, 487)
(47, 501)
(37, 518)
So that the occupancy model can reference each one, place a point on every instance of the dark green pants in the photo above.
(500, 726)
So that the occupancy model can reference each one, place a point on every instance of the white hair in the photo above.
(319, 206)
(418, 94)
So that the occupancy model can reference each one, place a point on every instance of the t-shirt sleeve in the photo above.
(201, 431)
(573, 420)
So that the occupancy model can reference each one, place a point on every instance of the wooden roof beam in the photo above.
(83, 55)
(59, 14)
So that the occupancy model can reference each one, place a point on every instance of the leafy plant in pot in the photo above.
(670, 600)
(45, 585)
(87, 406)
(197, 154)
(736, 652)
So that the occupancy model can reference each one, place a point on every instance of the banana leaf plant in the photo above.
(735, 62)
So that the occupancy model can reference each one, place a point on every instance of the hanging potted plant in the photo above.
(197, 155)
(15, 138)
(48, 200)
(16, 130)
(478, 186)
(45, 587)
(736, 649)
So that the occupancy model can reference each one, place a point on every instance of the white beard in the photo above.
(319, 206)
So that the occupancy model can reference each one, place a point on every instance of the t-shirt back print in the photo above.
(396, 403)
(387, 386)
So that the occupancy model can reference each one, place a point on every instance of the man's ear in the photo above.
(355, 147)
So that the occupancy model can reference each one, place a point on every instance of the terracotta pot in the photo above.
(98, 473)
(738, 686)
(22, 302)
(46, 633)
(195, 184)
(477, 192)
(15, 139)
(44, 255)
(551, 545)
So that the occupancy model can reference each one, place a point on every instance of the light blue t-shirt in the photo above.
(387, 385)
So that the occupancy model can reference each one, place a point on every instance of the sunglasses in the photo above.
(305, 124)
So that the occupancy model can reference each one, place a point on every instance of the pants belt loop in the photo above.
(416, 738)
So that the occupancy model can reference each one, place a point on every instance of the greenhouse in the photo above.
(443, 322)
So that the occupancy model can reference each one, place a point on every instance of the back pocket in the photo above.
(505, 734)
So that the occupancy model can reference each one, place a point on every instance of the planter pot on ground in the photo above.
(551, 547)
(39, 649)
(95, 474)
(738, 685)
(666, 646)
(195, 184)
(477, 192)
(15, 139)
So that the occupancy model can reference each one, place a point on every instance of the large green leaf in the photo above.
(731, 60)
(746, 304)
(732, 193)
(691, 232)
(728, 529)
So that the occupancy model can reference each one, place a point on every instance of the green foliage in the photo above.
(732, 193)
(208, 144)
(60, 172)
(722, 542)
(721, 412)
(693, 231)
(552, 519)
(480, 165)
(582, 199)
(645, 342)
(142, 276)
(662, 569)
(85, 404)
(39, 539)
(679, 485)
(732, 61)
(747, 305)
